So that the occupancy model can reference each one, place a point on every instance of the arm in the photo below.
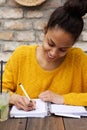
(77, 96)
(78, 99)
(50, 96)
(10, 79)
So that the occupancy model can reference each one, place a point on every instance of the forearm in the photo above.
(13, 98)
(78, 99)
(51, 97)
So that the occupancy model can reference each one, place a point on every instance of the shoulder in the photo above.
(23, 51)
(77, 55)
(25, 47)
(76, 52)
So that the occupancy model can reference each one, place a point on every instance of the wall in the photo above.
(24, 25)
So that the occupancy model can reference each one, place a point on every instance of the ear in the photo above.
(45, 28)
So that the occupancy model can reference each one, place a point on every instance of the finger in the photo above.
(24, 107)
(45, 98)
(29, 108)
(42, 95)
(26, 100)
(25, 104)
(21, 103)
(30, 105)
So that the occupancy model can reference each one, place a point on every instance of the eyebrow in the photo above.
(52, 41)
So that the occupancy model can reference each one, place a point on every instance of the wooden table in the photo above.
(47, 123)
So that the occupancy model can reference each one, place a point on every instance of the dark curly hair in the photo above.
(69, 17)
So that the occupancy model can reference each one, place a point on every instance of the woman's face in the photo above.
(56, 44)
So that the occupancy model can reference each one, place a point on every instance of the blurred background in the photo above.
(21, 25)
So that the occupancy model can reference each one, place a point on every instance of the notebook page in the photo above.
(40, 111)
(68, 115)
(68, 109)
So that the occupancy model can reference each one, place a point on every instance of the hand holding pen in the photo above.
(23, 102)
(29, 103)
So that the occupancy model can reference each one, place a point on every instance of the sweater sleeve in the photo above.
(10, 72)
(81, 97)
(78, 99)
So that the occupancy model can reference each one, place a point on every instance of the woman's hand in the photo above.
(51, 97)
(22, 102)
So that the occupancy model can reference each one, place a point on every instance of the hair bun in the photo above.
(76, 7)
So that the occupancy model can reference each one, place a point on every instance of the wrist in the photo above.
(13, 98)
(60, 100)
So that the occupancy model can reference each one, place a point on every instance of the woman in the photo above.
(54, 71)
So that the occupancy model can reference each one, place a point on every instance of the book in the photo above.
(44, 109)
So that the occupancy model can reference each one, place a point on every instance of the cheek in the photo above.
(62, 54)
(46, 46)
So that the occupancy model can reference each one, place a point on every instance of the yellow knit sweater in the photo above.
(68, 80)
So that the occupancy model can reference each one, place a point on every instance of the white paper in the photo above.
(68, 110)
(40, 111)
(42, 107)
(68, 115)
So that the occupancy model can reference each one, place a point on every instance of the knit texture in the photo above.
(68, 80)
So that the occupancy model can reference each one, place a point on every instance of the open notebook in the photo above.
(44, 109)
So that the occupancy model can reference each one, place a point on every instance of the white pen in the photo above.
(24, 91)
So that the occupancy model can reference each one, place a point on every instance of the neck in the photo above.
(47, 65)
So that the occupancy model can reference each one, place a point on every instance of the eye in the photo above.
(63, 50)
(50, 43)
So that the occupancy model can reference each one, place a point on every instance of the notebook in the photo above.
(44, 109)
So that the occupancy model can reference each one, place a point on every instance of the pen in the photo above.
(24, 91)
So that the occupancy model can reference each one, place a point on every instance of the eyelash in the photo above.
(50, 44)
(59, 49)
(62, 50)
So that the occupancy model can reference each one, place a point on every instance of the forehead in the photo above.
(58, 35)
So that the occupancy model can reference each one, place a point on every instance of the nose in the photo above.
(54, 52)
